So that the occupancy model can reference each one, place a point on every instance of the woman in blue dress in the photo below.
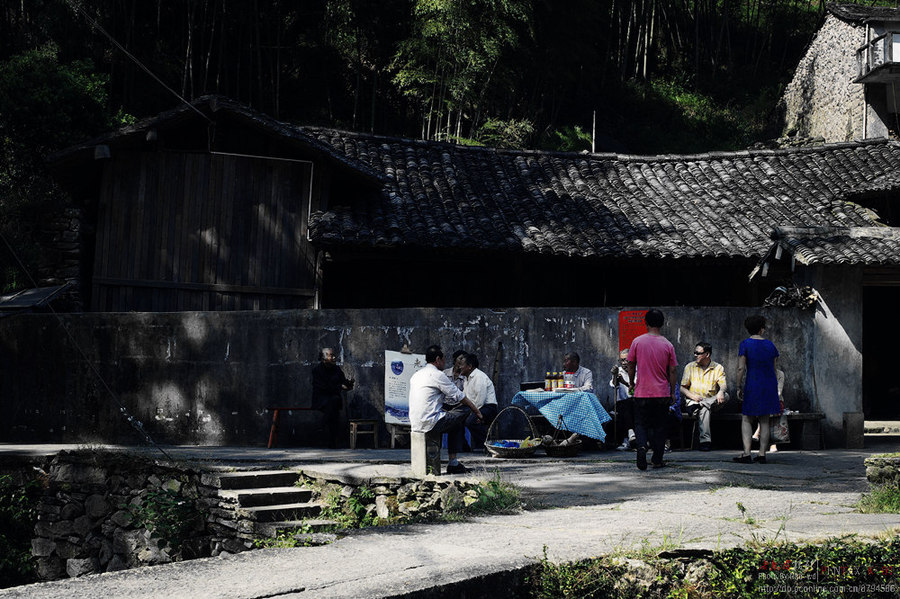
(757, 386)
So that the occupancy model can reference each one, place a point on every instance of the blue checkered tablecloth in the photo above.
(582, 412)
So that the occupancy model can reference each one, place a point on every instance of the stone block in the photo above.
(80, 567)
(41, 547)
(49, 568)
(82, 526)
(854, 430)
(425, 454)
(96, 506)
(70, 511)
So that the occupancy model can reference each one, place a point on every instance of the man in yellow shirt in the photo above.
(703, 389)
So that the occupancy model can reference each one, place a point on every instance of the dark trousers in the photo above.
(453, 423)
(331, 421)
(478, 430)
(624, 418)
(650, 424)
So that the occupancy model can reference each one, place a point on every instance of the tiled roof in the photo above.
(441, 196)
(857, 13)
(726, 204)
(869, 246)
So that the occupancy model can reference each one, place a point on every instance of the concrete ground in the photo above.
(576, 508)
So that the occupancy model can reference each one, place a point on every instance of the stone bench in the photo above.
(810, 425)
(425, 453)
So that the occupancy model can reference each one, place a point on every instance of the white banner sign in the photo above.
(398, 368)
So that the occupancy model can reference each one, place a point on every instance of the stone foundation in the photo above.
(90, 517)
(883, 470)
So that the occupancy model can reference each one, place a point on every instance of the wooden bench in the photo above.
(273, 432)
(810, 427)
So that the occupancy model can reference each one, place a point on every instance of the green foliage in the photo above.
(811, 570)
(514, 133)
(671, 116)
(587, 579)
(45, 105)
(450, 58)
(883, 499)
(169, 516)
(841, 567)
(355, 511)
(284, 540)
(495, 496)
(569, 139)
(18, 514)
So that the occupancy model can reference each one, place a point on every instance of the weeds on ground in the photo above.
(884, 499)
(494, 496)
(296, 538)
(840, 567)
(587, 579)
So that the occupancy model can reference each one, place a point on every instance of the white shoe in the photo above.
(624, 446)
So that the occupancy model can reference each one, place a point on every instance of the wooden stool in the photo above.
(356, 430)
(398, 432)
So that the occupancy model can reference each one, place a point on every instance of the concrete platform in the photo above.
(575, 507)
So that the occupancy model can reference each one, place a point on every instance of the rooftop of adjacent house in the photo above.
(434, 195)
(858, 13)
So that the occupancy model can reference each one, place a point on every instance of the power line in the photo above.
(93, 23)
(134, 422)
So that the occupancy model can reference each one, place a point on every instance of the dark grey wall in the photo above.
(207, 377)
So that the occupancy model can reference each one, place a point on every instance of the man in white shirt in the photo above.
(479, 388)
(429, 391)
(584, 378)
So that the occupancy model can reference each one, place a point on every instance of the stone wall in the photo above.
(821, 100)
(85, 523)
(883, 470)
(87, 517)
(207, 378)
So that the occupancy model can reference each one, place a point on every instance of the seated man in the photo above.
(480, 390)
(703, 389)
(429, 391)
(584, 378)
(454, 373)
(624, 402)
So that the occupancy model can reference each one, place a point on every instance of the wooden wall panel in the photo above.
(179, 231)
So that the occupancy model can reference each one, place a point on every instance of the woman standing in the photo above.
(757, 386)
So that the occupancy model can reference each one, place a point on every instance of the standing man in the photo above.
(480, 390)
(652, 358)
(328, 383)
(429, 391)
(584, 378)
(703, 388)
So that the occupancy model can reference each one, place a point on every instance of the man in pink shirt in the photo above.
(652, 358)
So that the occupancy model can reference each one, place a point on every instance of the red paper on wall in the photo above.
(631, 324)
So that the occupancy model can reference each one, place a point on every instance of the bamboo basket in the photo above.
(510, 452)
(555, 450)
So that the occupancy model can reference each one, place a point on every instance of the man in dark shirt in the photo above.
(328, 383)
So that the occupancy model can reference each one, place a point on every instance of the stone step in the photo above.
(268, 496)
(283, 511)
(312, 525)
(257, 479)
